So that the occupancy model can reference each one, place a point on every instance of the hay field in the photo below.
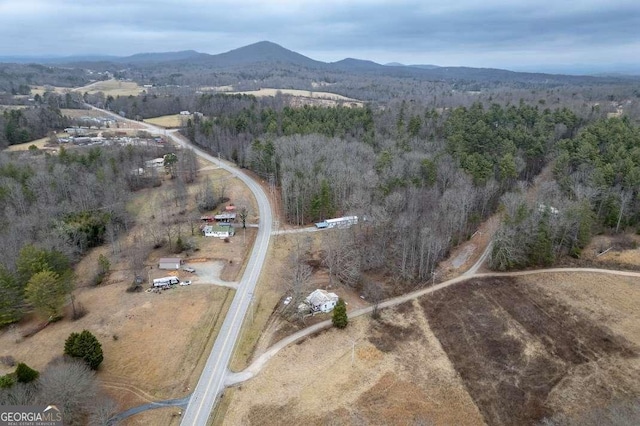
(169, 121)
(495, 351)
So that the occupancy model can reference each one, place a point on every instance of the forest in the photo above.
(425, 174)
(423, 163)
(53, 208)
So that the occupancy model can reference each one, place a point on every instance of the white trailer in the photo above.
(165, 281)
(341, 222)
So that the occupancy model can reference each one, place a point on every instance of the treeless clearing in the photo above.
(39, 90)
(521, 349)
(77, 113)
(398, 377)
(152, 342)
(112, 87)
(525, 355)
(311, 95)
(39, 143)
(169, 121)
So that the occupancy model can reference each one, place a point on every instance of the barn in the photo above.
(169, 263)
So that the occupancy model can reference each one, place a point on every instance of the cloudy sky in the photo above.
(515, 34)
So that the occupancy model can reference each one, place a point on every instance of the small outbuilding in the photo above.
(169, 263)
(226, 217)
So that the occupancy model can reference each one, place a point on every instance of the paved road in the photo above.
(212, 379)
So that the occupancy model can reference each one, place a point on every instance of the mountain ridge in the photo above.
(272, 54)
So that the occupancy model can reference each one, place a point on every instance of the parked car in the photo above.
(189, 269)
(187, 282)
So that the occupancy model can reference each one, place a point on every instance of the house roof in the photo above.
(170, 260)
(319, 296)
(215, 228)
(224, 216)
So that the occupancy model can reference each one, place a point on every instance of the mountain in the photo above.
(183, 55)
(263, 55)
(425, 67)
(261, 52)
(351, 64)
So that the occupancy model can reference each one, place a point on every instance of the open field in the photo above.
(77, 113)
(399, 375)
(10, 107)
(314, 98)
(151, 342)
(112, 87)
(39, 143)
(39, 90)
(108, 87)
(169, 121)
(500, 351)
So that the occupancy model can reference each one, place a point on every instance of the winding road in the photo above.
(212, 379)
(216, 376)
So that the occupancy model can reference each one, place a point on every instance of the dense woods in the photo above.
(423, 175)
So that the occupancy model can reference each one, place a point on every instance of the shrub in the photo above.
(6, 381)
(86, 346)
(340, 318)
(26, 374)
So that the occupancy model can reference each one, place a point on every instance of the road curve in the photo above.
(258, 364)
(212, 379)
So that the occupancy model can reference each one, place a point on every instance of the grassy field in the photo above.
(508, 351)
(108, 87)
(112, 87)
(39, 143)
(169, 121)
(305, 97)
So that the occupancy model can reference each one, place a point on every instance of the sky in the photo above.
(514, 34)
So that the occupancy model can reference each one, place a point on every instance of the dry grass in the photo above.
(112, 87)
(39, 90)
(579, 352)
(39, 143)
(77, 113)
(169, 121)
(312, 97)
(315, 382)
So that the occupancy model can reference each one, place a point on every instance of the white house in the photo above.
(218, 231)
(155, 163)
(321, 301)
(184, 113)
(169, 263)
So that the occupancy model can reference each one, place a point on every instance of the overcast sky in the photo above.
(516, 34)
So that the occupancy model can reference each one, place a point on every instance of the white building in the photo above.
(339, 222)
(321, 301)
(169, 263)
(165, 281)
(218, 231)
